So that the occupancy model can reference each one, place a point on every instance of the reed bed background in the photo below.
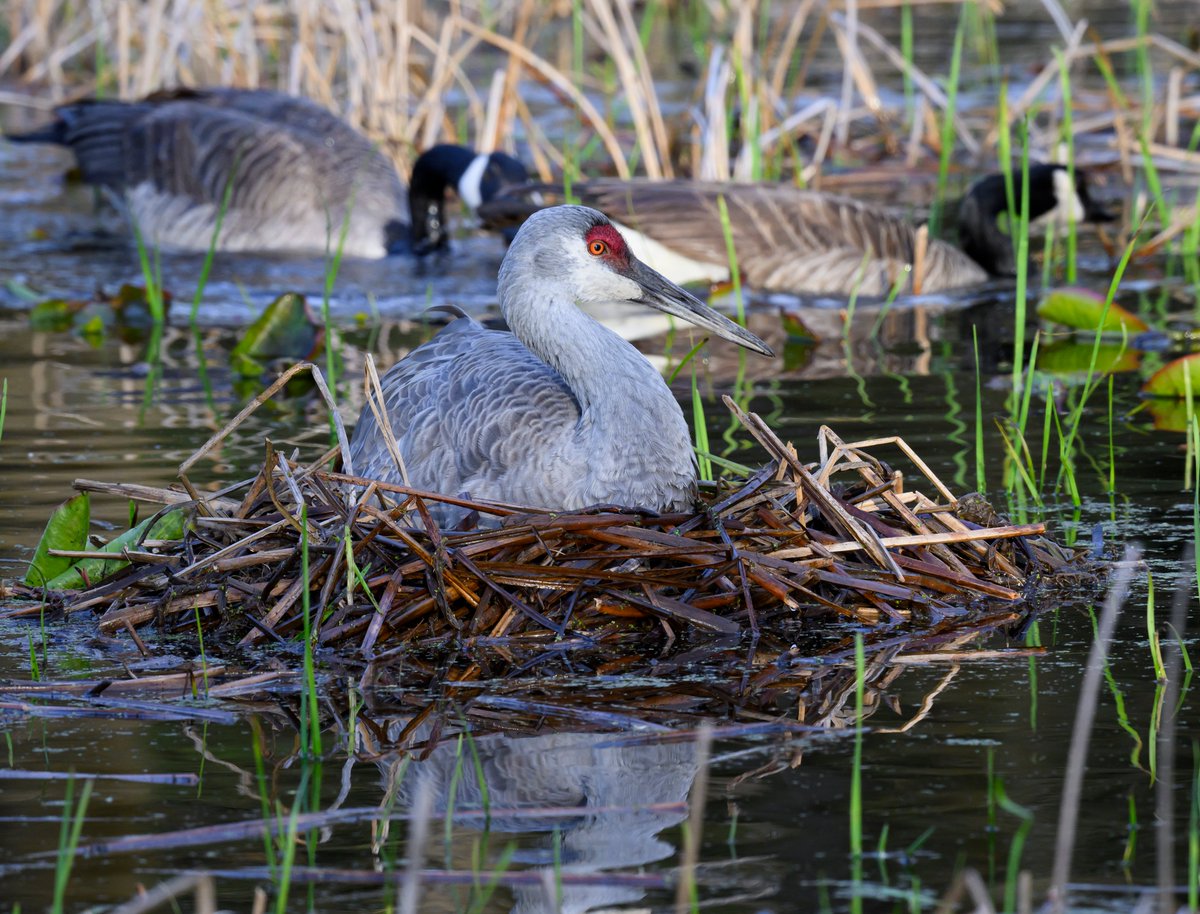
(701, 88)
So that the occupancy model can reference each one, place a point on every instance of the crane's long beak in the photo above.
(659, 292)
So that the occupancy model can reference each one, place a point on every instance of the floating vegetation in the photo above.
(775, 563)
(1178, 379)
(285, 329)
(1084, 309)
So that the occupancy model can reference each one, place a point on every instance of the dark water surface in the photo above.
(75, 410)
(776, 827)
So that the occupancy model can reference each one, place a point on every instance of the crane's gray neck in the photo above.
(607, 375)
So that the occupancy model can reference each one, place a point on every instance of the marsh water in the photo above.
(603, 807)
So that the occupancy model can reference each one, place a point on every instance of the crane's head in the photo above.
(579, 251)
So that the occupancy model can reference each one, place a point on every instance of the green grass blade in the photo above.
(948, 134)
(206, 267)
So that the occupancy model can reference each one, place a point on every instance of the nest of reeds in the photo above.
(361, 567)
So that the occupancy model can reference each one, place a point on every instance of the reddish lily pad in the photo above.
(1174, 379)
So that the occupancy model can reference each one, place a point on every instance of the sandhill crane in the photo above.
(560, 413)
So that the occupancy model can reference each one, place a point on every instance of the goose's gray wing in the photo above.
(294, 170)
(348, 158)
(473, 411)
(786, 239)
(843, 271)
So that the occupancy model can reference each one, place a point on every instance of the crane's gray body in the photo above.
(476, 413)
(561, 413)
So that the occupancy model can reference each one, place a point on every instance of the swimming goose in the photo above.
(295, 171)
(793, 240)
(560, 413)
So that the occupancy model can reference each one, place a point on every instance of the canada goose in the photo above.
(296, 172)
(793, 240)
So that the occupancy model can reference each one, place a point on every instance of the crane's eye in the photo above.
(597, 248)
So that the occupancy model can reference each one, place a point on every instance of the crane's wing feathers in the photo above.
(454, 403)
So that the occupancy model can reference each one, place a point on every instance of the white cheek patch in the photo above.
(1067, 205)
(470, 185)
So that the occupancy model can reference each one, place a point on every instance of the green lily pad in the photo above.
(284, 330)
(93, 331)
(1068, 358)
(55, 315)
(86, 572)
(1174, 378)
(67, 528)
(797, 354)
(1083, 309)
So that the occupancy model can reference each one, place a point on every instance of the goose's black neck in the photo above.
(477, 179)
(983, 230)
(437, 169)
(985, 221)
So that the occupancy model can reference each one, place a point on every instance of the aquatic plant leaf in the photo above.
(170, 526)
(796, 329)
(798, 354)
(67, 528)
(55, 314)
(131, 296)
(93, 331)
(18, 289)
(1083, 309)
(1174, 378)
(1071, 357)
(284, 329)
(1168, 415)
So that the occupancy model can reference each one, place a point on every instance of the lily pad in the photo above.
(796, 329)
(1169, 415)
(93, 331)
(86, 572)
(137, 298)
(1174, 378)
(1072, 358)
(285, 329)
(1083, 309)
(66, 529)
(55, 315)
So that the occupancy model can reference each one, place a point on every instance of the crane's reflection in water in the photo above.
(627, 795)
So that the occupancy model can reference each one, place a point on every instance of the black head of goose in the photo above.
(475, 177)
(984, 225)
(802, 241)
(296, 174)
